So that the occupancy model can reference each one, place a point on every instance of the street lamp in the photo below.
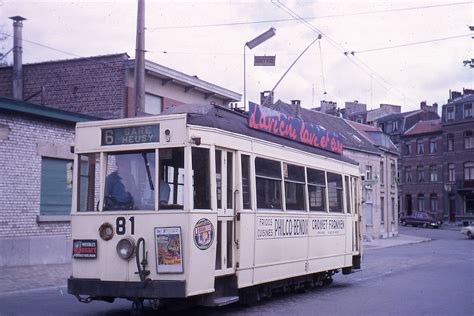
(252, 44)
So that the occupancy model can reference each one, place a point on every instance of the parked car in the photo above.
(421, 219)
(468, 230)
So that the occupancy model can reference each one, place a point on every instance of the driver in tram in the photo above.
(120, 187)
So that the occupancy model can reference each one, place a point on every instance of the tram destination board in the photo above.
(131, 135)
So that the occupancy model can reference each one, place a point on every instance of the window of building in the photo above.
(382, 171)
(393, 171)
(201, 178)
(450, 142)
(421, 203)
(450, 113)
(153, 104)
(389, 127)
(393, 209)
(316, 190)
(433, 173)
(294, 187)
(451, 172)
(420, 149)
(245, 161)
(467, 110)
(433, 203)
(395, 126)
(468, 140)
(407, 149)
(433, 146)
(335, 190)
(56, 194)
(359, 120)
(268, 181)
(420, 172)
(407, 175)
(382, 210)
(368, 172)
(469, 171)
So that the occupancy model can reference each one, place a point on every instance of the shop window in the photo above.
(268, 181)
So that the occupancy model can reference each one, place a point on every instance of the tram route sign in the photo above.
(131, 135)
(280, 124)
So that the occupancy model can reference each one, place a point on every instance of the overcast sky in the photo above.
(206, 38)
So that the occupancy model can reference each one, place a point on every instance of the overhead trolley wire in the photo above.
(306, 18)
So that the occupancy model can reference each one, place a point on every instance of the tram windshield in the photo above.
(131, 180)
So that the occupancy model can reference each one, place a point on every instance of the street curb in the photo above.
(16, 292)
(375, 247)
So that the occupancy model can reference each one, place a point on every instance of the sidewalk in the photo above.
(14, 280)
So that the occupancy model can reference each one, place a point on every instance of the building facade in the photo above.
(421, 169)
(458, 156)
(35, 182)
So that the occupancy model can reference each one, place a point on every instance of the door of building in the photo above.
(452, 208)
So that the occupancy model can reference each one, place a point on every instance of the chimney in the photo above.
(454, 95)
(435, 107)
(263, 98)
(297, 104)
(422, 105)
(17, 57)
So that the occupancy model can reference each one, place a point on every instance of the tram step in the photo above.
(225, 300)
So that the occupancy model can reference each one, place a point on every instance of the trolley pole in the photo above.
(140, 60)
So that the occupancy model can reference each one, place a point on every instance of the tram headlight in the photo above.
(106, 231)
(126, 248)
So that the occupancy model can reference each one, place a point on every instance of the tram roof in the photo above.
(229, 120)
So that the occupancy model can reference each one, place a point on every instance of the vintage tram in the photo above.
(209, 205)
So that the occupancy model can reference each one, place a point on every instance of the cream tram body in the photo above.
(224, 243)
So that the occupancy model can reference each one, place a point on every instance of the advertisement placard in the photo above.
(169, 255)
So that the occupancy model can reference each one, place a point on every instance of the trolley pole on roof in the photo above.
(140, 60)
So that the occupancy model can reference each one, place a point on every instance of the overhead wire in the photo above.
(308, 18)
(368, 70)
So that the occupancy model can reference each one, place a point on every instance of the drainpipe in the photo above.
(17, 57)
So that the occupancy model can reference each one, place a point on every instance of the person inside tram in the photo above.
(120, 187)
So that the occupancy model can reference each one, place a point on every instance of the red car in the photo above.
(421, 219)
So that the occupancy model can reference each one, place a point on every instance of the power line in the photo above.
(369, 71)
(407, 44)
(307, 18)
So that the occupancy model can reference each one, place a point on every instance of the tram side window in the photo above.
(219, 178)
(88, 183)
(348, 195)
(335, 191)
(245, 160)
(294, 187)
(201, 178)
(316, 190)
(268, 179)
(130, 181)
(171, 175)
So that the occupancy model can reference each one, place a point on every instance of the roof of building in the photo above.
(350, 137)
(187, 81)
(462, 98)
(370, 131)
(398, 115)
(424, 127)
(364, 127)
(223, 118)
(16, 106)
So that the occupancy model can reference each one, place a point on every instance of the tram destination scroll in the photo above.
(131, 135)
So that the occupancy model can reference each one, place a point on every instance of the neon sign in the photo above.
(276, 123)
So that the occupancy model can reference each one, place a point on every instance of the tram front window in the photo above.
(130, 181)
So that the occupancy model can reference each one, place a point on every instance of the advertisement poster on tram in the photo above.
(168, 250)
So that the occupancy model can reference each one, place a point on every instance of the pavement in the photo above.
(21, 279)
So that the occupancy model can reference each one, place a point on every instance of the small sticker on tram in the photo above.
(84, 248)
(203, 234)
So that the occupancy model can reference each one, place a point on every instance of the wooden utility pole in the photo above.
(140, 60)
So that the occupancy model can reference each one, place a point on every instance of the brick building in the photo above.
(102, 86)
(35, 150)
(421, 168)
(458, 155)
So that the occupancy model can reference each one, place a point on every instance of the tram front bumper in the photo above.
(152, 289)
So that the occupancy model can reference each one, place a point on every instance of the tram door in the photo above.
(226, 195)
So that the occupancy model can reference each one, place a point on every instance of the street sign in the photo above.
(264, 60)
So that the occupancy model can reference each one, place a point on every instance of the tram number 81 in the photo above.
(121, 225)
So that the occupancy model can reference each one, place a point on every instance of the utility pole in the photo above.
(140, 60)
